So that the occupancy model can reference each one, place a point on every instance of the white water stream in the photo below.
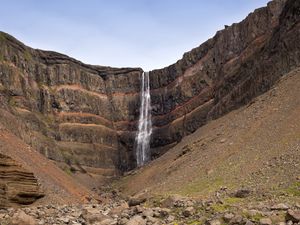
(145, 124)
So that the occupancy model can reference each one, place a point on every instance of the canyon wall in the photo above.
(86, 116)
(223, 73)
(69, 111)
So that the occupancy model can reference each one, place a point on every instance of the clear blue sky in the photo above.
(141, 33)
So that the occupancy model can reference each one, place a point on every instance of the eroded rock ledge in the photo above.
(17, 185)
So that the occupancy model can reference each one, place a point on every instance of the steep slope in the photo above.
(256, 147)
(85, 117)
(27, 175)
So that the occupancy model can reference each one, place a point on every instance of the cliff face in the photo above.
(87, 116)
(238, 63)
(69, 111)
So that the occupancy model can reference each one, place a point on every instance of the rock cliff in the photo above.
(237, 64)
(69, 111)
(86, 116)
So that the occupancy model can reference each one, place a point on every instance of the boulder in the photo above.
(170, 219)
(242, 193)
(21, 218)
(280, 206)
(93, 215)
(248, 222)
(136, 220)
(164, 212)
(107, 221)
(227, 217)
(189, 211)
(133, 201)
(172, 201)
(148, 213)
(119, 209)
(238, 219)
(123, 221)
(177, 201)
(214, 222)
(293, 215)
(265, 221)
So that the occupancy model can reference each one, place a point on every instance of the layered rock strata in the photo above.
(237, 64)
(87, 115)
(69, 111)
(17, 185)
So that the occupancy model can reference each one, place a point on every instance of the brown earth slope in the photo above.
(256, 147)
(31, 174)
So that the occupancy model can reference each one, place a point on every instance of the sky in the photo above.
(122, 33)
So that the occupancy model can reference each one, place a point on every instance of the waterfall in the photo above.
(145, 124)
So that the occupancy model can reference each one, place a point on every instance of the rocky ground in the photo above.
(234, 208)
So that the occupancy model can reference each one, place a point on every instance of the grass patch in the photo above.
(68, 157)
(293, 190)
(207, 186)
(220, 207)
(253, 217)
(1, 57)
(12, 102)
(2, 37)
(232, 200)
(2, 40)
(27, 55)
(256, 217)
(156, 201)
(194, 222)
(2, 88)
(68, 171)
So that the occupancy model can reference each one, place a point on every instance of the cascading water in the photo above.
(145, 124)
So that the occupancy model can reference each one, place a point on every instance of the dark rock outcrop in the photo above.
(69, 111)
(87, 115)
(237, 64)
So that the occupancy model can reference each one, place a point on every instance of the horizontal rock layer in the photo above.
(17, 185)
(87, 115)
(69, 111)
(238, 63)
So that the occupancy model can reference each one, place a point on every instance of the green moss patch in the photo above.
(293, 190)
(27, 55)
(201, 186)
(232, 200)
(220, 207)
